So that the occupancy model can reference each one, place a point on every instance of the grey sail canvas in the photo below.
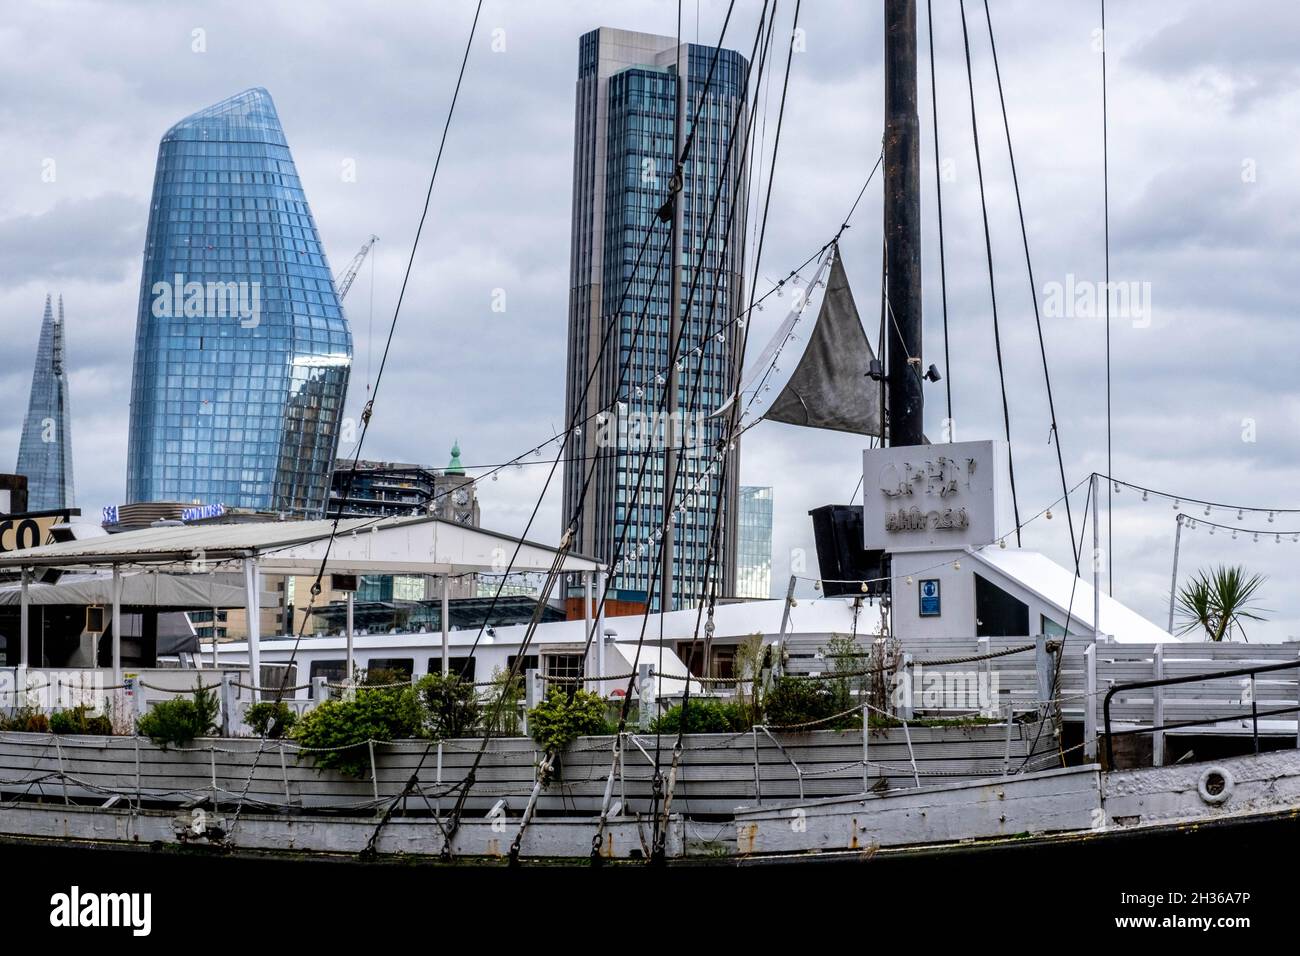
(829, 387)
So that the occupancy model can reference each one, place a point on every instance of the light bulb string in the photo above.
(1213, 505)
(1192, 523)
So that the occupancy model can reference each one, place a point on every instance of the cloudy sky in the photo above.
(1205, 224)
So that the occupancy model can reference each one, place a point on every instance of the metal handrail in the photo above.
(1191, 679)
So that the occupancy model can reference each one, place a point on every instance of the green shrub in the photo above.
(704, 717)
(178, 721)
(79, 721)
(792, 701)
(272, 719)
(562, 717)
(375, 714)
(501, 707)
(26, 720)
(451, 707)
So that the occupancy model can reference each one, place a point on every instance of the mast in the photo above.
(902, 169)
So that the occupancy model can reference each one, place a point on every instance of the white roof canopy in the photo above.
(412, 545)
(138, 590)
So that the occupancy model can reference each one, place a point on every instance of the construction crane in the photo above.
(344, 281)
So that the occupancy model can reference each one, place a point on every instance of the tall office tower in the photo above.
(754, 549)
(631, 116)
(242, 352)
(45, 448)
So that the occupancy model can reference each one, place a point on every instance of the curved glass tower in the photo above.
(242, 352)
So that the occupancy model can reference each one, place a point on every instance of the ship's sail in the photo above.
(829, 387)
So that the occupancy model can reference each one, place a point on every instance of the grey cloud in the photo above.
(88, 239)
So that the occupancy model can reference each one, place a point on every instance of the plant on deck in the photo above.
(1218, 600)
(563, 716)
(792, 701)
(78, 720)
(339, 729)
(704, 717)
(178, 721)
(26, 720)
(451, 706)
(272, 719)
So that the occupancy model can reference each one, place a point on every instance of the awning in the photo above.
(150, 590)
(404, 545)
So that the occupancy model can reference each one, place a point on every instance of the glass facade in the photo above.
(630, 119)
(242, 352)
(45, 448)
(754, 548)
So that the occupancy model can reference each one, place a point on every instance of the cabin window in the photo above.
(335, 672)
(997, 613)
(722, 659)
(529, 663)
(1051, 628)
(563, 665)
(461, 666)
(275, 676)
(396, 665)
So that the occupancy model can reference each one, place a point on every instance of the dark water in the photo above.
(207, 898)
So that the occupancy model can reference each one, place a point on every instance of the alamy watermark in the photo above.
(208, 300)
(51, 690)
(1077, 298)
(946, 689)
(77, 908)
(654, 431)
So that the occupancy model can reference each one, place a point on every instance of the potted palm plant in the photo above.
(1218, 601)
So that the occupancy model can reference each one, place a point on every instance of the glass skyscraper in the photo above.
(242, 352)
(631, 115)
(754, 558)
(45, 448)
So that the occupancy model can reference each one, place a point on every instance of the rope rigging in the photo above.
(988, 248)
(1105, 185)
(938, 195)
(572, 524)
(370, 402)
(1033, 288)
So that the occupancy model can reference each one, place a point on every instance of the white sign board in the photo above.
(935, 497)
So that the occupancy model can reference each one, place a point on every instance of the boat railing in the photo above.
(1159, 726)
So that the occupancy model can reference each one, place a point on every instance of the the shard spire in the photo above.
(45, 450)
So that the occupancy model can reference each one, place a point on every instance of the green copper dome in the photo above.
(454, 467)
